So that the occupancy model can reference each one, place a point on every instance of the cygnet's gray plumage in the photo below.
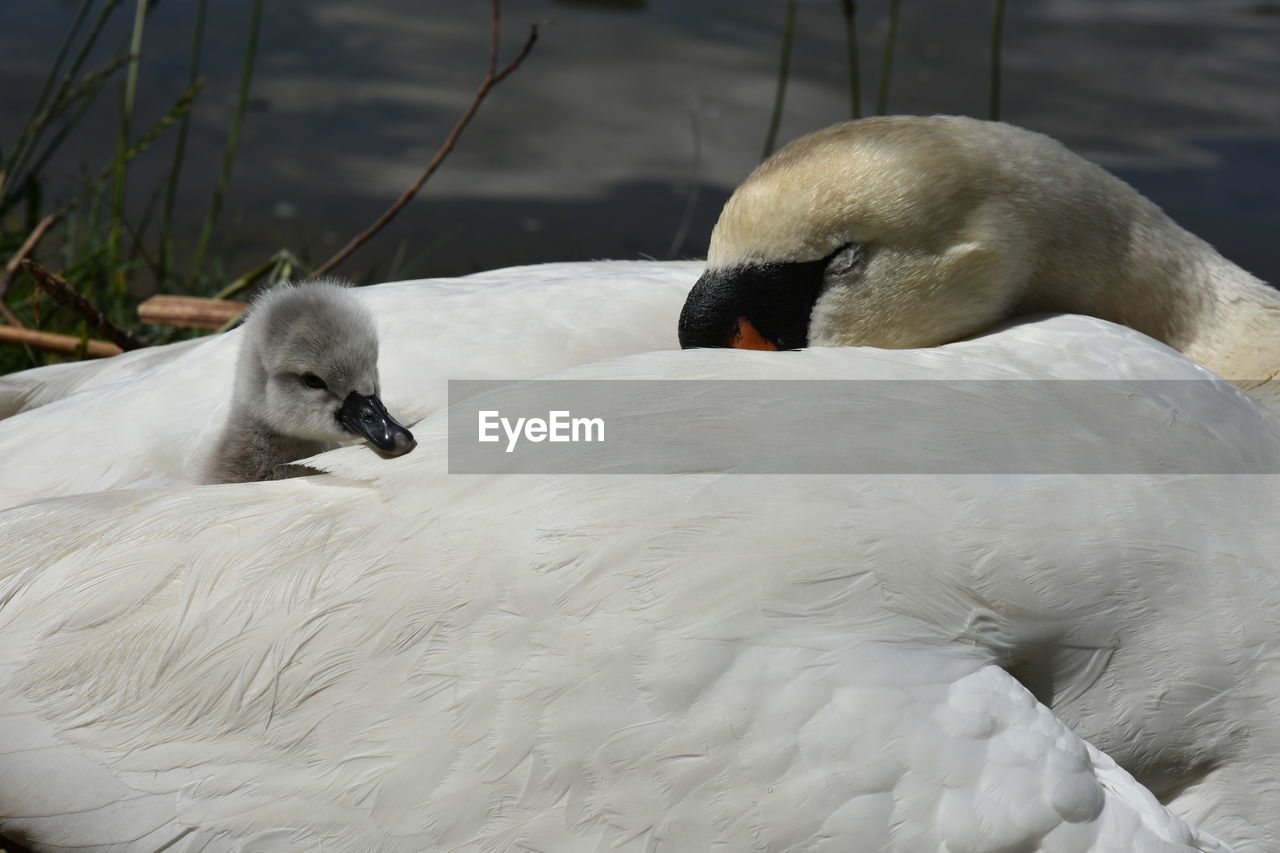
(306, 379)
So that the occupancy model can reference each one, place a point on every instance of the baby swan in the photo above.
(307, 377)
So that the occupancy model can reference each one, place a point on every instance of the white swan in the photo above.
(389, 657)
(910, 231)
(159, 411)
(392, 658)
(306, 379)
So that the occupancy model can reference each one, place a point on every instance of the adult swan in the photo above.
(910, 232)
(391, 657)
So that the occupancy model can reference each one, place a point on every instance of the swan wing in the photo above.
(637, 678)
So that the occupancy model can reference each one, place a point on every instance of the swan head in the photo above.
(309, 368)
(889, 232)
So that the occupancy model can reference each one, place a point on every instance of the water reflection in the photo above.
(591, 140)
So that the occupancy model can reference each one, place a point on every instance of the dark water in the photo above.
(586, 152)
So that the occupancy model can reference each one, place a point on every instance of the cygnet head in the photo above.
(307, 375)
(916, 231)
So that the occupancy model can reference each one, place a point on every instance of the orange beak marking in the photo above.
(747, 336)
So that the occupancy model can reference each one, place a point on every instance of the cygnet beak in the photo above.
(367, 417)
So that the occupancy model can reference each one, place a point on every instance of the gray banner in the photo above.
(858, 427)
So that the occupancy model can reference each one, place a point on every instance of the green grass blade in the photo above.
(83, 94)
(169, 118)
(116, 235)
(233, 139)
(29, 137)
(63, 49)
(180, 147)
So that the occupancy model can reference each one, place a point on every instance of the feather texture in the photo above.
(387, 657)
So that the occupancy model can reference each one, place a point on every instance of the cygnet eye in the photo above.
(313, 381)
(848, 258)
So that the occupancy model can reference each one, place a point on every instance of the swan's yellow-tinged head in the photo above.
(888, 232)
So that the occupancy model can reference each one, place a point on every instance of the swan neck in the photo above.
(251, 450)
(1124, 260)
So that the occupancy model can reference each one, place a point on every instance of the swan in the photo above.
(387, 656)
(910, 231)
(151, 417)
(306, 378)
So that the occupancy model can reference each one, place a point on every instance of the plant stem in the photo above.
(233, 140)
(43, 99)
(57, 287)
(886, 66)
(30, 135)
(180, 147)
(997, 39)
(784, 68)
(116, 233)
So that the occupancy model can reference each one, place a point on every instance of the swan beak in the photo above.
(752, 306)
(367, 417)
(747, 336)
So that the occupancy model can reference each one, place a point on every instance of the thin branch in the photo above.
(57, 287)
(191, 312)
(491, 79)
(10, 269)
(52, 342)
(495, 27)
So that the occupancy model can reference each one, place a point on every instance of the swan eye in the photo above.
(846, 259)
(313, 381)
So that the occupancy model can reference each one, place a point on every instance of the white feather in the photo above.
(391, 658)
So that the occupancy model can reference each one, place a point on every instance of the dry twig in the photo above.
(10, 269)
(67, 344)
(192, 312)
(58, 288)
(492, 78)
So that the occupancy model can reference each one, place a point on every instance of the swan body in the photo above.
(389, 657)
(306, 379)
(909, 231)
(162, 410)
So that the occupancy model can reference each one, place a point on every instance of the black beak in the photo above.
(756, 306)
(367, 417)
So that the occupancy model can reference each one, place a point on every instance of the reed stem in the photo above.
(233, 140)
(179, 148)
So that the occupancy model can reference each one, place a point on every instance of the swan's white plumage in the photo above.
(160, 410)
(387, 657)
